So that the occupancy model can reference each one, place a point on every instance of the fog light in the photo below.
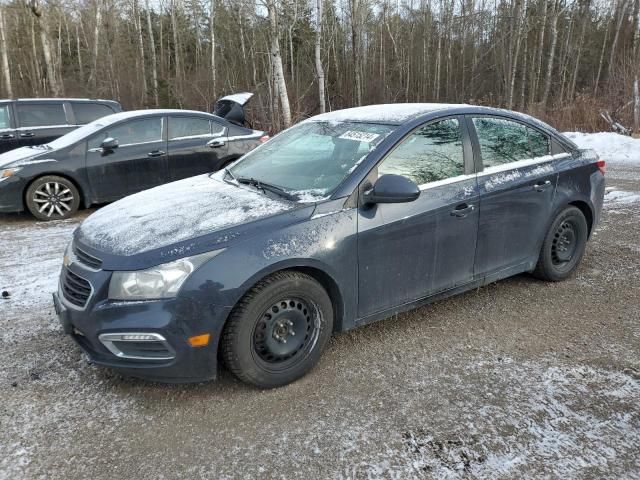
(199, 340)
(138, 337)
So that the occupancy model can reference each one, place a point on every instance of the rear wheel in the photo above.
(278, 330)
(52, 198)
(563, 246)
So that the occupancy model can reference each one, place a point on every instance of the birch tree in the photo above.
(276, 60)
(5, 56)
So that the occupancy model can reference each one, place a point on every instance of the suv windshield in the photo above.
(311, 159)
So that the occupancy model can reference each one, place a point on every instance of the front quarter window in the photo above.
(312, 158)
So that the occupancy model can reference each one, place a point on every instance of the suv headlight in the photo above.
(162, 281)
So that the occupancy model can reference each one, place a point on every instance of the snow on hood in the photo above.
(175, 212)
(23, 153)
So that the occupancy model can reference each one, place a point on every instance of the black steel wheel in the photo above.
(278, 330)
(52, 198)
(563, 246)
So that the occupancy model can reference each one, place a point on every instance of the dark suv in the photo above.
(26, 122)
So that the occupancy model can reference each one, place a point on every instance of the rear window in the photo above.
(88, 112)
(184, 127)
(4, 116)
(41, 114)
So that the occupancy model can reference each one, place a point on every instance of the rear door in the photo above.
(407, 251)
(196, 145)
(517, 184)
(138, 163)
(41, 122)
(8, 140)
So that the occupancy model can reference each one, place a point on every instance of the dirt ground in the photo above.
(518, 379)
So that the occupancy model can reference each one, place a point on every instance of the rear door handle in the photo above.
(542, 186)
(7, 136)
(217, 143)
(27, 134)
(156, 153)
(462, 210)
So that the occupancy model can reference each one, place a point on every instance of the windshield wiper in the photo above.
(260, 185)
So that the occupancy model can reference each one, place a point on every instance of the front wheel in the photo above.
(278, 331)
(52, 198)
(563, 246)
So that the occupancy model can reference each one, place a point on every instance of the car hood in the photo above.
(177, 219)
(20, 155)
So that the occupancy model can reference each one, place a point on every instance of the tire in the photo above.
(262, 342)
(563, 246)
(52, 198)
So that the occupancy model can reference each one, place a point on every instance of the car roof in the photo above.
(116, 117)
(390, 113)
(29, 100)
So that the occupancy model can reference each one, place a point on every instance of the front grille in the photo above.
(86, 259)
(76, 290)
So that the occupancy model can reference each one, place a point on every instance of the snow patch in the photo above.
(611, 146)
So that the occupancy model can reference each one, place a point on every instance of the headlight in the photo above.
(9, 172)
(162, 281)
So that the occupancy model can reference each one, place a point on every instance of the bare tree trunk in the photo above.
(212, 41)
(55, 85)
(5, 58)
(536, 66)
(154, 60)
(143, 69)
(355, 49)
(96, 45)
(604, 44)
(612, 55)
(79, 54)
(319, 69)
(636, 106)
(176, 52)
(576, 68)
(514, 63)
(552, 52)
(278, 70)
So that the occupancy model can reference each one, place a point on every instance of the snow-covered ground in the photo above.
(611, 146)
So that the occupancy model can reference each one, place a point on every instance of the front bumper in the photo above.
(11, 192)
(172, 320)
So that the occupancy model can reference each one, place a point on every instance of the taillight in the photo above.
(602, 166)
(264, 138)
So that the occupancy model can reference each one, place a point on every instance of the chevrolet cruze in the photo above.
(344, 219)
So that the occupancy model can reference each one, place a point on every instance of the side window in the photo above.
(216, 128)
(431, 153)
(136, 131)
(538, 142)
(41, 114)
(501, 141)
(180, 127)
(4, 117)
(88, 112)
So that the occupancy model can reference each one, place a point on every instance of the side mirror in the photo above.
(109, 144)
(392, 189)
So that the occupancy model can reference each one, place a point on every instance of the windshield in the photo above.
(312, 158)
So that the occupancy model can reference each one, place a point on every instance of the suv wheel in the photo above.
(52, 198)
(278, 331)
(563, 246)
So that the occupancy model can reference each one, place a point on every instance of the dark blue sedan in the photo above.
(342, 220)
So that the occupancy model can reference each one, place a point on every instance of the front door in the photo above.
(516, 186)
(139, 162)
(196, 145)
(408, 251)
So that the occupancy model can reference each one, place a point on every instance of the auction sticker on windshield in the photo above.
(359, 136)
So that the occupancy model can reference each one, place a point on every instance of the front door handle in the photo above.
(542, 186)
(27, 134)
(155, 153)
(217, 143)
(7, 136)
(462, 210)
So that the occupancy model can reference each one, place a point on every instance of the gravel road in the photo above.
(520, 378)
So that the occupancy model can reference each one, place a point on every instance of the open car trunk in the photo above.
(231, 107)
